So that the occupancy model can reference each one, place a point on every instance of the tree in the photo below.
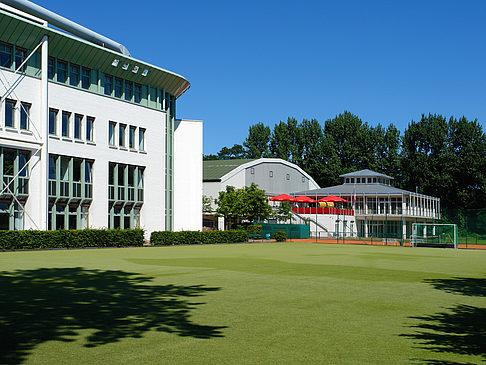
(207, 204)
(257, 142)
(286, 141)
(234, 152)
(282, 212)
(248, 204)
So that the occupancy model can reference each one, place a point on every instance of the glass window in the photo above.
(77, 169)
(131, 137)
(78, 122)
(23, 158)
(288, 176)
(50, 68)
(111, 174)
(118, 87)
(121, 135)
(73, 75)
(111, 133)
(52, 121)
(52, 168)
(141, 139)
(89, 129)
(108, 84)
(137, 93)
(128, 90)
(9, 113)
(20, 56)
(61, 71)
(5, 55)
(9, 161)
(65, 124)
(88, 165)
(85, 76)
(24, 115)
(121, 175)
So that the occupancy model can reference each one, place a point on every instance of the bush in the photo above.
(18, 240)
(251, 228)
(280, 236)
(164, 238)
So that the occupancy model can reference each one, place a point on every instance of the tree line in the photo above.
(436, 156)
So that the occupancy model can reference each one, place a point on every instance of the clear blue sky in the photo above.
(263, 61)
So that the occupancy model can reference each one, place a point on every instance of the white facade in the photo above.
(126, 177)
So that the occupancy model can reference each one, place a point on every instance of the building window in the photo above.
(85, 76)
(65, 124)
(252, 171)
(374, 180)
(5, 55)
(303, 179)
(108, 84)
(10, 113)
(131, 137)
(288, 176)
(137, 93)
(24, 116)
(347, 180)
(111, 133)
(128, 90)
(122, 128)
(358, 180)
(270, 174)
(20, 56)
(50, 68)
(52, 121)
(118, 88)
(141, 139)
(78, 122)
(61, 71)
(90, 129)
(352, 180)
(73, 75)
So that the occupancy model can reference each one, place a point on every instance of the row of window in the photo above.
(68, 125)
(82, 77)
(70, 177)
(14, 163)
(270, 174)
(135, 140)
(16, 114)
(367, 180)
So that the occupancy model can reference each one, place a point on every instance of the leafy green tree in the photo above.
(286, 141)
(282, 212)
(207, 204)
(234, 152)
(248, 204)
(257, 142)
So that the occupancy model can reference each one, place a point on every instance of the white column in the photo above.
(44, 131)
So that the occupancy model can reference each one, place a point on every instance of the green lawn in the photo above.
(244, 304)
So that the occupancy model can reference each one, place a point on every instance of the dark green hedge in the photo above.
(280, 236)
(195, 237)
(18, 240)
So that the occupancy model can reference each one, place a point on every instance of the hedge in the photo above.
(280, 236)
(18, 240)
(166, 238)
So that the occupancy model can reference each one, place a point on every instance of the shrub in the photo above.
(165, 238)
(251, 228)
(280, 236)
(16, 240)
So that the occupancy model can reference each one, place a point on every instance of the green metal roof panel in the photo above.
(27, 34)
(214, 170)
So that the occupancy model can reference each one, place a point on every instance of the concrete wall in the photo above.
(188, 153)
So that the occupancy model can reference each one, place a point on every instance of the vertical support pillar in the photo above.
(44, 130)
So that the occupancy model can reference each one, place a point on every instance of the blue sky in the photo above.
(263, 61)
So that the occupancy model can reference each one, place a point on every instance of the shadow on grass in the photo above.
(461, 329)
(54, 304)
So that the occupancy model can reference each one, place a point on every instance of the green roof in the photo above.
(214, 170)
(28, 34)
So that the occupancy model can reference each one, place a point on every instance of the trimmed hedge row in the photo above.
(166, 238)
(18, 240)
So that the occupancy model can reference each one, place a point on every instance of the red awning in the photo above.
(333, 199)
(304, 199)
(282, 198)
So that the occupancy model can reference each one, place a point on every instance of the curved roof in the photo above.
(28, 33)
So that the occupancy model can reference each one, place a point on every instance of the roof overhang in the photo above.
(27, 33)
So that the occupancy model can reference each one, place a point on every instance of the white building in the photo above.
(375, 209)
(88, 134)
(273, 175)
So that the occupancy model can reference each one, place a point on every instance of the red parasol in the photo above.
(333, 199)
(282, 198)
(304, 199)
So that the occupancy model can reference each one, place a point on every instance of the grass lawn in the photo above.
(291, 303)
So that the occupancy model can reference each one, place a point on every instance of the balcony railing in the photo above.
(337, 211)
